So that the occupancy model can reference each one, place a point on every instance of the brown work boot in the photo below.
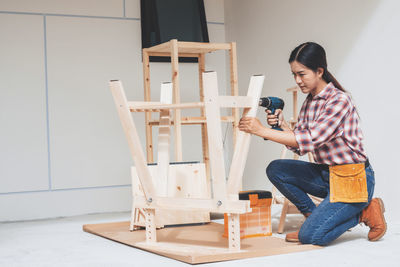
(294, 236)
(372, 216)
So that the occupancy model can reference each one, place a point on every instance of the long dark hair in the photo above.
(313, 56)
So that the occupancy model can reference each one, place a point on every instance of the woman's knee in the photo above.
(310, 236)
(274, 168)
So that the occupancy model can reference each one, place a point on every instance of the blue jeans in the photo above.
(295, 179)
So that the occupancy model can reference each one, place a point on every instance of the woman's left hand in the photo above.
(250, 125)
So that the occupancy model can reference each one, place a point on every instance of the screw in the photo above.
(149, 200)
(219, 203)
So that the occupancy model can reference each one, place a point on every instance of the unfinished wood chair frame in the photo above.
(287, 206)
(225, 193)
(176, 49)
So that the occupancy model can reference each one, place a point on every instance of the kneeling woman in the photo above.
(328, 126)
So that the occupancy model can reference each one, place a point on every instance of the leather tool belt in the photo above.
(348, 183)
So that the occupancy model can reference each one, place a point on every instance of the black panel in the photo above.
(163, 20)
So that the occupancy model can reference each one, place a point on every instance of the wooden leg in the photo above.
(243, 139)
(176, 96)
(234, 89)
(151, 236)
(147, 97)
(234, 231)
(285, 208)
(204, 136)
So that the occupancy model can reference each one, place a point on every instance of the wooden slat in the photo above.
(228, 206)
(214, 132)
(142, 106)
(243, 139)
(133, 138)
(194, 120)
(188, 47)
(202, 47)
(168, 54)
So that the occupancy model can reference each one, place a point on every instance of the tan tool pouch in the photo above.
(348, 183)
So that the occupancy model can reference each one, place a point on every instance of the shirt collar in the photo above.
(326, 92)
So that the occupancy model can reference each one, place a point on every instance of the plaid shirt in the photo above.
(328, 126)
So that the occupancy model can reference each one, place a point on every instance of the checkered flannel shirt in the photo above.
(328, 126)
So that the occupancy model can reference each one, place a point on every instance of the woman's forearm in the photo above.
(285, 137)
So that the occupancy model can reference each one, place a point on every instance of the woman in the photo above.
(328, 126)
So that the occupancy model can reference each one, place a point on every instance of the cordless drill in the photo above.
(272, 103)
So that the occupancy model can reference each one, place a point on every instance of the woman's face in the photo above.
(305, 78)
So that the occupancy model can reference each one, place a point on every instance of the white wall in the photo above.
(62, 148)
(362, 42)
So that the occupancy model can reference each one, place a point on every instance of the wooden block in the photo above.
(234, 231)
(151, 236)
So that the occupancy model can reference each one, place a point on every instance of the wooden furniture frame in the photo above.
(176, 49)
(225, 193)
(288, 207)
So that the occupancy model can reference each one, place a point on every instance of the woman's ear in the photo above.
(320, 72)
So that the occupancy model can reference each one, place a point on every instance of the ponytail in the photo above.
(329, 78)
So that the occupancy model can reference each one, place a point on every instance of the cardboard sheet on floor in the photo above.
(195, 244)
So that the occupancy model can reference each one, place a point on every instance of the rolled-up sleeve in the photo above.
(325, 127)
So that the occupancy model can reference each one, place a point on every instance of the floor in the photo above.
(61, 242)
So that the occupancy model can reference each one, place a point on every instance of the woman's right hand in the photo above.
(273, 119)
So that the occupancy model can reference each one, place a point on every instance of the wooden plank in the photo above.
(164, 140)
(202, 120)
(194, 120)
(135, 106)
(176, 97)
(243, 140)
(133, 138)
(195, 244)
(214, 133)
(195, 204)
(234, 88)
(147, 97)
(235, 101)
